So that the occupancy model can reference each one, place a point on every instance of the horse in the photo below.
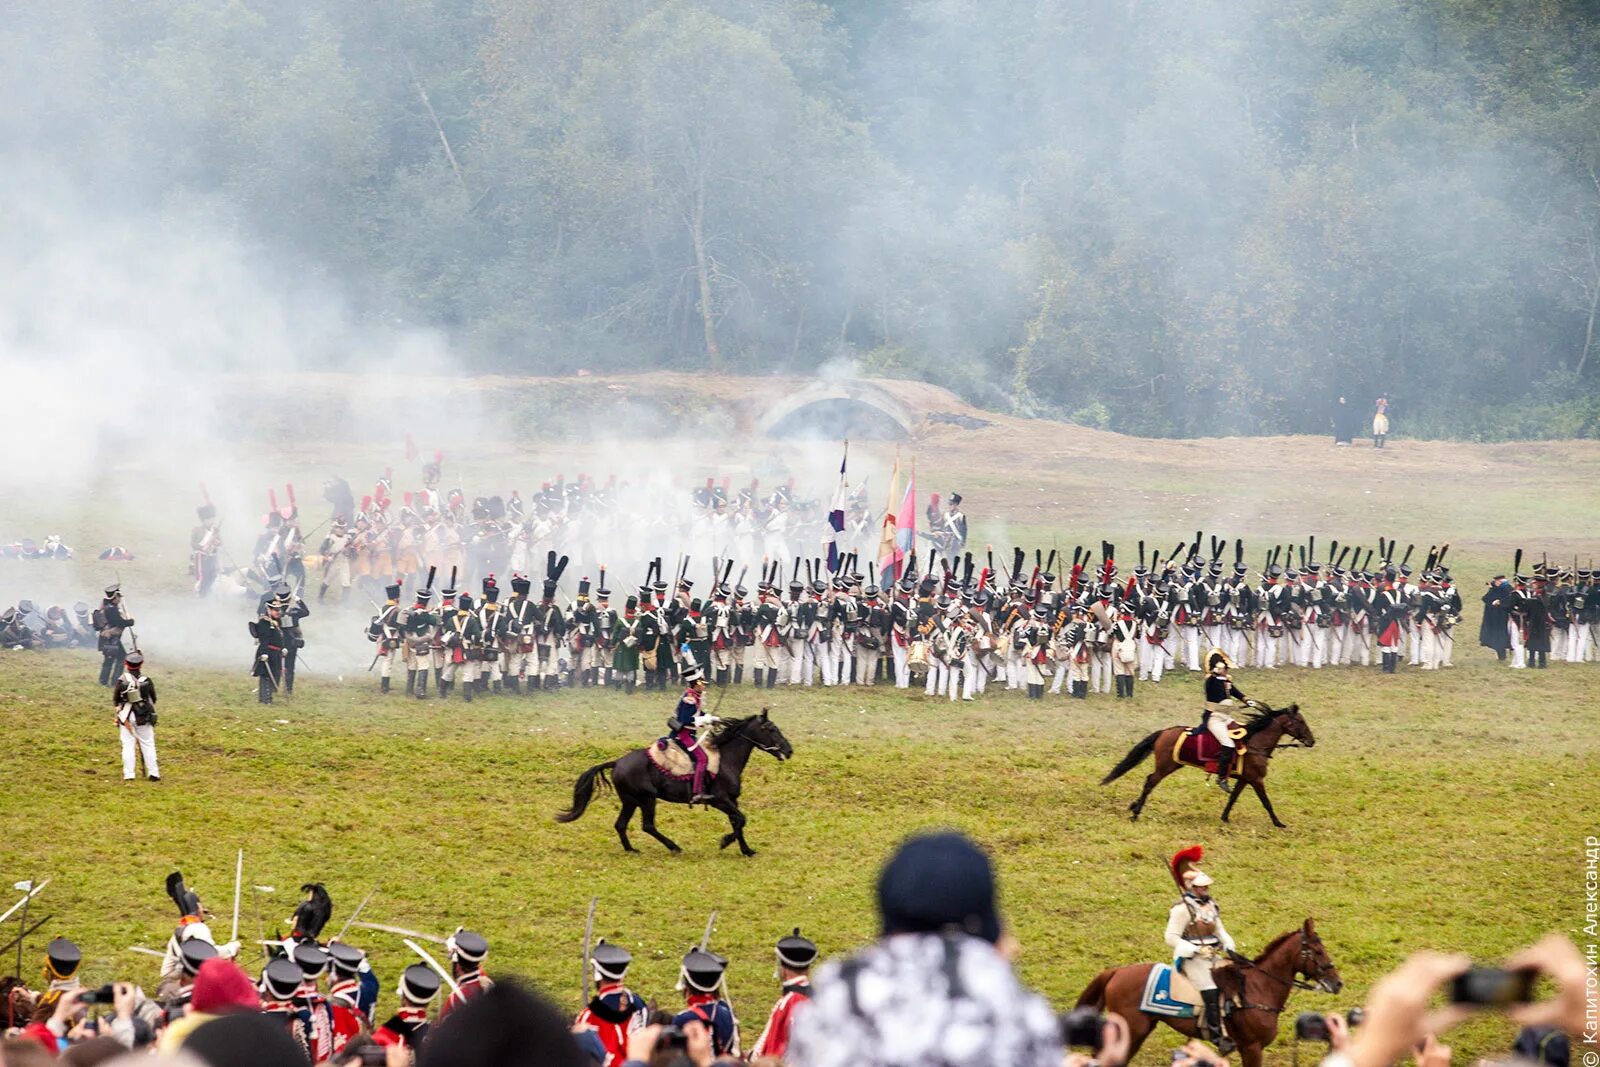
(1256, 989)
(1262, 731)
(639, 784)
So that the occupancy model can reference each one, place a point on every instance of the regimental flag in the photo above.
(901, 524)
(887, 559)
(836, 515)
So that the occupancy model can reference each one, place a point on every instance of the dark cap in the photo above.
(467, 946)
(281, 978)
(346, 959)
(610, 961)
(311, 958)
(63, 957)
(796, 952)
(194, 952)
(939, 881)
(418, 983)
(702, 971)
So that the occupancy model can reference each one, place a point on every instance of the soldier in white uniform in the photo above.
(134, 697)
(337, 551)
(1198, 940)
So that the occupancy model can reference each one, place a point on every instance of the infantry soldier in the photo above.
(549, 626)
(204, 542)
(1124, 651)
(467, 952)
(584, 632)
(491, 637)
(796, 954)
(352, 995)
(870, 636)
(315, 1013)
(625, 637)
(700, 979)
(408, 1026)
(279, 985)
(385, 631)
(605, 632)
(338, 552)
(421, 633)
(294, 610)
(519, 654)
(615, 1011)
(134, 697)
(459, 634)
(109, 622)
(1198, 939)
(268, 665)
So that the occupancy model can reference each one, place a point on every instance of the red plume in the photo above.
(1183, 860)
(438, 456)
(408, 498)
(290, 487)
(411, 448)
(366, 503)
(272, 499)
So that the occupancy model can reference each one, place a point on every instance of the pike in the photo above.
(22, 936)
(431, 962)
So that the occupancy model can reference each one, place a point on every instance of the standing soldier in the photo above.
(205, 540)
(549, 626)
(870, 636)
(459, 634)
(796, 954)
(519, 655)
(385, 631)
(279, 985)
(582, 628)
(421, 633)
(268, 666)
(625, 638)
(491, 636)
(109, 622)
(605, 632)
(338, 551)
(295, 609)
(615, 1011)
(408, 1026)
(352, 995)
(700, 979)
(467, 951)
(1198, 939)
(1125, 650)
(134, 697)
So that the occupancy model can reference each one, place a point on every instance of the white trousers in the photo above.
(144, 739)
(1519, 655)
(902, 669)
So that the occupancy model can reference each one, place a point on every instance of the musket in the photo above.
(238, 886)
(588, 933)
(431, 962)
(340, 935)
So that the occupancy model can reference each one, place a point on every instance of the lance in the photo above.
(22, 924)
(32, 891)
(20, 937)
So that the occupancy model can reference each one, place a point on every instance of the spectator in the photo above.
(934, 990)
(244, 1039)
(506, 1026)
(220, 987)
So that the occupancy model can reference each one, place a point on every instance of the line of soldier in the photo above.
(953, 630)
(325, 992)
(1555, 610)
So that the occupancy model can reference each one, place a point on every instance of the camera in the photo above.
(1492, 986)
(1083, 1028)
(104, 995)
(672, 1038)
(366, 1052)
(1311, 1026)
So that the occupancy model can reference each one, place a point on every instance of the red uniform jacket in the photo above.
(774, 1040)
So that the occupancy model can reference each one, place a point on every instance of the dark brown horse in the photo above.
(639, 783)
(1257, 991)
(1262, 731)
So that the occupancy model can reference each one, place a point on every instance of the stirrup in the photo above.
(1222, 784)
(703, 798)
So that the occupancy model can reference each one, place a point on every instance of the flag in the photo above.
(886, 541)
(905, 530)
(836, 515)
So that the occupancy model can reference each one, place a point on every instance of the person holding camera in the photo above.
(1198, 939)
(134, 697)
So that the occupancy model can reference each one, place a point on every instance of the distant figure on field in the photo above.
(1380, 422)
(1344, 422)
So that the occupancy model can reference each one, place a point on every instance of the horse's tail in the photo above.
(583, 791)
(1094, 994)
(1137, 755)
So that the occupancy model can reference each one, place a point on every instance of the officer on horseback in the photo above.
(1198, 939)
(1217, 717)
(691, 722)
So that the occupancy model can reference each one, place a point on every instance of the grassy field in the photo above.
(1441, 809)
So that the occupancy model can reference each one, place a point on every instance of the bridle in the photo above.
(1303, 961)
(771, 750)
(1288, 716)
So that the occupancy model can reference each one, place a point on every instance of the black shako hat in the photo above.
(936, 882)
(796, 952)
(610, 961)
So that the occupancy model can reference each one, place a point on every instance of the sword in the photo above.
(588, 932)
(238, 886)
(431, 962)
(340, 935)
(705, 938)
(141, 950)
(402, 931)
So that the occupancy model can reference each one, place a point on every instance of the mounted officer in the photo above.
(1198, 939)
(690, 723)
(1217, 716)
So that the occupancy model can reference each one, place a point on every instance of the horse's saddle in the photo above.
(1202, 750)
(671, 760)
(1167, 992)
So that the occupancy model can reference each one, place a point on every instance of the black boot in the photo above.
(467, 690)
(1080, 690)
(264, 690)
(772, 679)
(422, 684)
(738, 675)
(442, 687)
(1224, 765)
(438, 681)
(627, 686)
(1128, 681)
(411, 682)
(322, 593)
(494, 686)
(1213, 1003)
(383, 684)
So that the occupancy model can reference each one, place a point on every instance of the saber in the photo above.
(354, 914)
(402, 931)
(141, 950)
(588, 933)
(431, 962)
(705, 938)
(238, 887)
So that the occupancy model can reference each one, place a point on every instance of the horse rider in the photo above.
(1217, 717)
(1198, 939)
(691, 722)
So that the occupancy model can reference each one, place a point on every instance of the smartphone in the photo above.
(1492, 987)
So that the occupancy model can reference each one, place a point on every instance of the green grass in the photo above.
(1436, 810)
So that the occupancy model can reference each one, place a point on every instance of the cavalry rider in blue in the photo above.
(1198, 939)
(690, 721)
(1217, 718)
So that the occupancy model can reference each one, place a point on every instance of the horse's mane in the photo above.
(1259, 719)
(728, 728)
(1275, 943)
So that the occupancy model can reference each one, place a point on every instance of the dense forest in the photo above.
(1165, 217)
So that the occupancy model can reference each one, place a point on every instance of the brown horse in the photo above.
(1254, 991)
(1262, 732)
(639, 784)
